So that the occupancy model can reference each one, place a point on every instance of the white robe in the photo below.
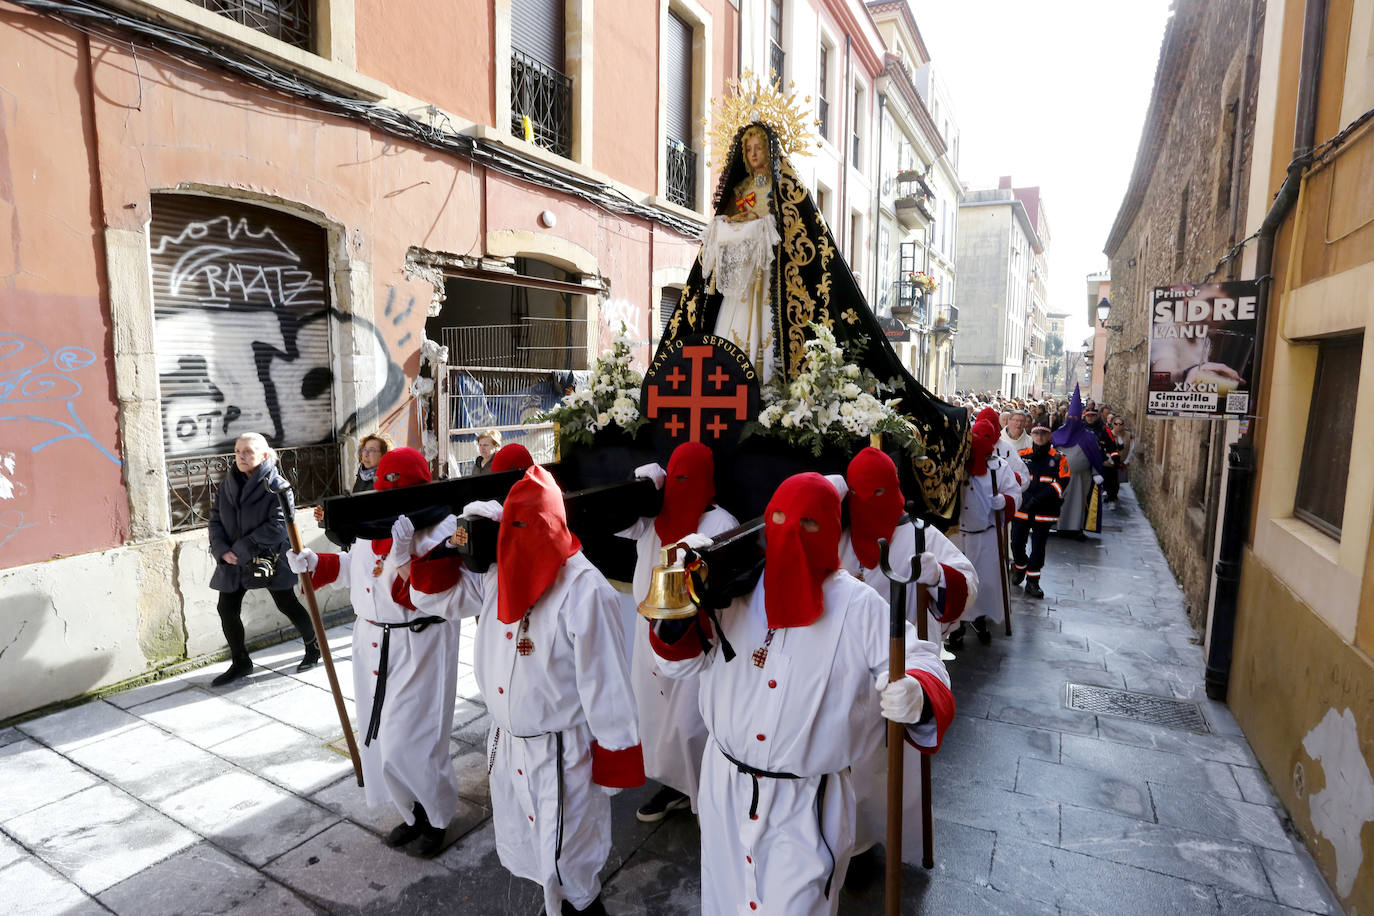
(811, 711)
(409, 760)
(977, 536)
(575, 682)
(871, 774)
(670, 725)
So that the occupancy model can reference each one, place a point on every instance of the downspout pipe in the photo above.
(1241, 461)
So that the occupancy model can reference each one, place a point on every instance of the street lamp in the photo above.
(1104, 311)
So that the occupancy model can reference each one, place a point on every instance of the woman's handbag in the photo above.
(260, 570)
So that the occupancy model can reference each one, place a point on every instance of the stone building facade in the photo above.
(1184, 208)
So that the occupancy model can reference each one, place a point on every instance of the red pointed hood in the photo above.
(533, 544)
(875, 503)
(797, 561)
(689, 488)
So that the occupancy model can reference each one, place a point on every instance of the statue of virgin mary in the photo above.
(769, 269)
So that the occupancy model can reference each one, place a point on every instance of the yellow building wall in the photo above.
(1305, 698)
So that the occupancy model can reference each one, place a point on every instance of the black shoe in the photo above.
(404, 833)
(980, 628)
(955, 639)
(1033, 588)
(311, 657)
(238, 668)
(665, 801)
(431, 842)
(593, 909)
(1017, 574)
(863, 869)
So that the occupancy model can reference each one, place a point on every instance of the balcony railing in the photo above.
(776, 59)
(911, 302)
(287, 20)
(946, 318)
(541, 96)
(313, 471)
(681, 169)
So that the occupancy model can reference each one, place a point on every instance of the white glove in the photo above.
(435, 535)
(930, 570)
(902, 701)
(402, 533)
(696, 541)
(1097, 479)
(302, 562)
(652, 472)
(483, 508)
(838, 482)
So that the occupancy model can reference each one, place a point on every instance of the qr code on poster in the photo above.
(1238, 402)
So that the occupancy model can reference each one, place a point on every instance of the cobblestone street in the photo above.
(173, 798)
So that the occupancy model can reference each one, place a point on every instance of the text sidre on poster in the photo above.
(1202, 345)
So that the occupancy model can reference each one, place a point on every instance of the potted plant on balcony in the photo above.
(923, 282)
(908, 175)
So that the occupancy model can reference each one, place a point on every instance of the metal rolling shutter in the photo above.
(537, 29)
(666, 304)
(241, 325)
(677, 52)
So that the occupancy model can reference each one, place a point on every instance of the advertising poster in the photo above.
(1202, 350)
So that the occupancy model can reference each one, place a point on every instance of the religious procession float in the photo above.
(772, 358)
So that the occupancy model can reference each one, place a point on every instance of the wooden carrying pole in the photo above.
(999, 514)
(284, 494)
(896, 731)
(922, 626)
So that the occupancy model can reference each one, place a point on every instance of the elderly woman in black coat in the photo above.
(248, 540)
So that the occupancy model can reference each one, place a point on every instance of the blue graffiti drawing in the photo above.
(39, 387)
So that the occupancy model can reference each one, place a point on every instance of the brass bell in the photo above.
(670, 590)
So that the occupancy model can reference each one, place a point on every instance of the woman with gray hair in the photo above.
(248, 540)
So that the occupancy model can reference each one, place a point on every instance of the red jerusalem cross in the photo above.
(695, 401)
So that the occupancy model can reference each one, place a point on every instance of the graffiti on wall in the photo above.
(39, 389)
(11, 520)
(243, 328)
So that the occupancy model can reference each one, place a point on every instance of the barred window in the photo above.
(287, 20)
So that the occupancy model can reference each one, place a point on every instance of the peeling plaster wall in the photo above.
(1317, 743)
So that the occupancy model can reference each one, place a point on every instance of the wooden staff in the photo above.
(997, 515)
(922, 626)
(896, 731)
(284, 495)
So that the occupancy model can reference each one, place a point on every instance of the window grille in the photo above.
(541, 96)
(313, 471)
(286, 20)
(682, 175)
(776, 59)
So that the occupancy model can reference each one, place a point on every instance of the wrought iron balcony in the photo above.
(946, 319)
(776, 59)
(681, 175)
(540, 104)
(287, 20)
(313, 471)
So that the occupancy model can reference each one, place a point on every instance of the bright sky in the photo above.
(1053, 94)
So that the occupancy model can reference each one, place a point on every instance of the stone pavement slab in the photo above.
(98, 837)
(29, 888)
(204, 880)
(35, 776)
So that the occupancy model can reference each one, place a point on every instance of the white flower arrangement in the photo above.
(832, 401)
(611, 397)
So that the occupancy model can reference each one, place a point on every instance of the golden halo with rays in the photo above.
(749, 99)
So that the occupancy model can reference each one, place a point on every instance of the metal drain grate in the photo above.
(1141, 707)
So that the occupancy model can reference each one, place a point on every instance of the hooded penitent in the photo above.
(511, 458)
(406, 467)
(1073, 432)
(689, 488)
(875, 503)
(984, 440)
(797, 561)
(533, 544)
(991, 415)
(811, 282)
(402, 467)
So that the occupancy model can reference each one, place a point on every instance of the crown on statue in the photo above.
(749, 99)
